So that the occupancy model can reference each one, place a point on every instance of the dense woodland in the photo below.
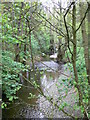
(31, 33)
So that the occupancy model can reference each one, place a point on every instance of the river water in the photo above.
(38, 107)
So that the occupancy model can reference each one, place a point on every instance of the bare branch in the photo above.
(67, 26)
(54, 30)
(83, 18)
(51, 24)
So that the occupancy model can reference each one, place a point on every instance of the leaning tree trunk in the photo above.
(25, 45)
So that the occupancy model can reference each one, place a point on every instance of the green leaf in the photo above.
(59, 37)
(11, 98)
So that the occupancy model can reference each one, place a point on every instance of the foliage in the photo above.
(31, 96)
(10, 75)
(25, 35)
(82, 81)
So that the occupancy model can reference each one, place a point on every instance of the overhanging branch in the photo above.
(67, 26)
(51, 24)
(83, 18)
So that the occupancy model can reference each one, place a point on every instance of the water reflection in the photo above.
(48, 79)
(22, 108)
(48, 83)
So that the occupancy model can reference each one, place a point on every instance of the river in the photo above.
(47, 76)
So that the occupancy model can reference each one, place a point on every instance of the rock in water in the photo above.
(54, 56)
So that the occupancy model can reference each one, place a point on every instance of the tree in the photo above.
(89, 43)
(60, 52)
(24, 27)
(85, 38)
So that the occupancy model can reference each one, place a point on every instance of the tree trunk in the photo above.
(38, 40)
(84, 36)
(17, 57)
(51, 48)
(24, 60)
(60, 54)
(31, 49)
(74, 58)
(75, 51)
(89, 44)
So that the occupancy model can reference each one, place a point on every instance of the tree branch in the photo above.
(83, 18)
(51, 24)
(67, 26)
